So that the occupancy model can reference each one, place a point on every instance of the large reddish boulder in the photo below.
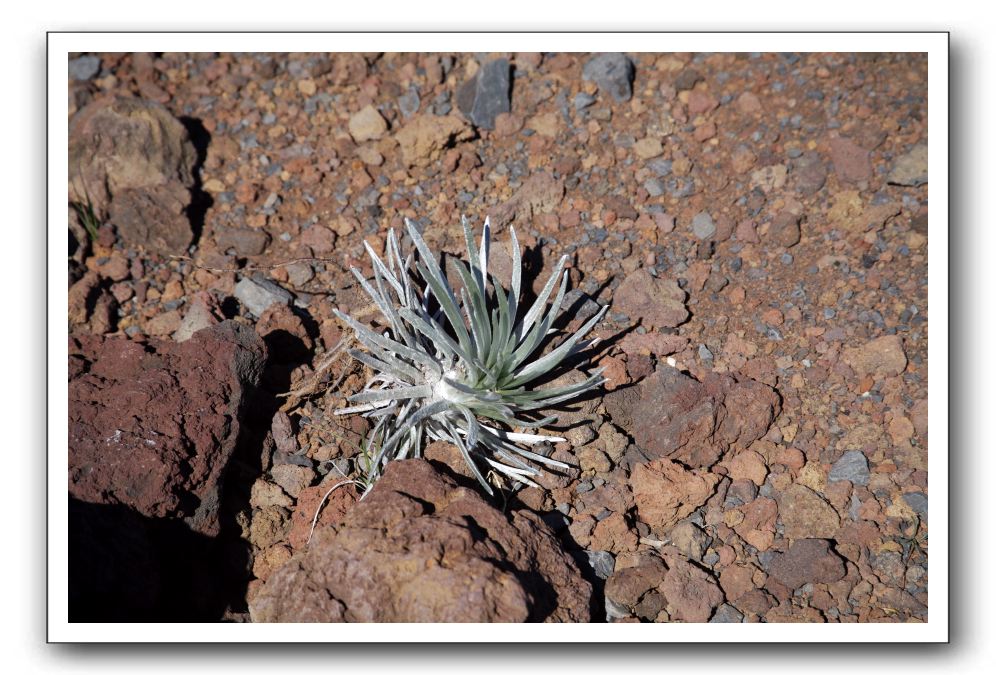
(421, 548)
(671, 415)
(152, 425)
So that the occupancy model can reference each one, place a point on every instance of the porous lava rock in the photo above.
(421, 548)
(152, 425)
(671, 415)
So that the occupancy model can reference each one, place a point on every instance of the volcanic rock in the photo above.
(421, 548)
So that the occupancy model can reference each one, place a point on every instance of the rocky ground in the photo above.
(758, 223)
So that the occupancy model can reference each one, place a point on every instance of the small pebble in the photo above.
(703, 225)
(84, 68)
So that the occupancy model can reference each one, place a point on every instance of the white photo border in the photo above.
(934, 44)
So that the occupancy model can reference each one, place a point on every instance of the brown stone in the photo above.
(507, 124)
(749, 103)
(320, 239)
(331, 512)
(851, 162)
(91, 306)
(809, 174)
(264, 493)
(614, 496)
(269, 525)
(769, 178)
(747, 465)
(614, 534)
(154, 217)
(651, 301)
(672, 415)
(807, 561)
(883, 356)
(742, 159)
(805, 515)
(244, 240)
(540, 193)
(690, 539)
(758, 525)
(163, 324)
(665, 492)
(784, 229)
(658, 344)
(648, 148)
(735, 581)
(424, 138)
(701, 102)
(449, 456)
(627, 586)
(692, 594)
(367, 125)
(270, 559)
(756, 602)
(545, 124)
(118, 144)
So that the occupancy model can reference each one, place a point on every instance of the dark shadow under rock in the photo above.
(124, 566)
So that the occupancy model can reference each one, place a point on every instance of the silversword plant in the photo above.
(461, 369)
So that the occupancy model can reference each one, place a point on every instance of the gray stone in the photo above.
(854, 509)
(727, 613)
(911, 168)
(486, 95)
(244, 240)
(613, 73)
(583, 100)
(615, 611)
(662, 167)
(809, 174)
(654, 186)
(258, 294)
(299, 273)
(84, 68)
(916, 501)
(410, 102)
(704, 353)
(852, 466)
(603, 562)
(703, 226)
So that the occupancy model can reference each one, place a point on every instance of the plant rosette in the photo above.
(461, 369)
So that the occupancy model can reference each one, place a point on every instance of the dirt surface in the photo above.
(757, 221)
